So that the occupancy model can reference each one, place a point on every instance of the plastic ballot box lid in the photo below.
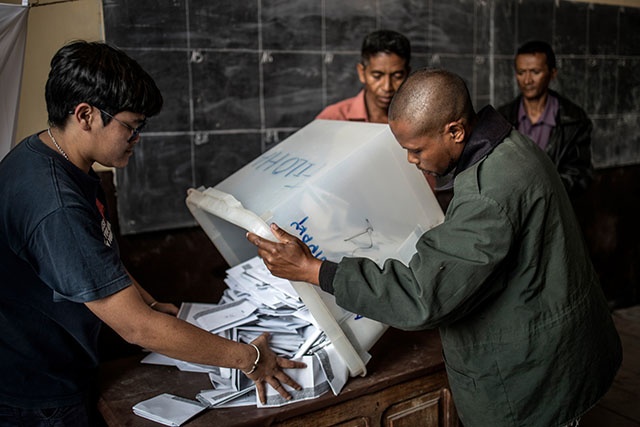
(346, 190)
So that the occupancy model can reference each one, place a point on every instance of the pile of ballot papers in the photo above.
(256, 302)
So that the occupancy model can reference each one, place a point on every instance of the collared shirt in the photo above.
(540, 131)
(351, 109)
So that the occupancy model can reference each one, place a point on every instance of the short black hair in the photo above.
(102, 76)
(538, 46)
(386, 41)
(430, 98)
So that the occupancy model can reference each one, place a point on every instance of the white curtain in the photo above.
(13, 38)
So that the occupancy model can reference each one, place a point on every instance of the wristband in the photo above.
(255, 364)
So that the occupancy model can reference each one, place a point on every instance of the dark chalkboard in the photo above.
(240, 76)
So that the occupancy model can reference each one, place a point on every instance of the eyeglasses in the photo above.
(134, 131)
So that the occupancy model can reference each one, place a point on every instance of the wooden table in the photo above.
(406, 385)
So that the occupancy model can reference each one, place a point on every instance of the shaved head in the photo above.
(430, 99)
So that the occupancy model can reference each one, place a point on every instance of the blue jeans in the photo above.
(67, 416)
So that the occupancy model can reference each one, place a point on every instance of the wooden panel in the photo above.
(356, 422)
(431, 409)
(421, 402)
(421, 411)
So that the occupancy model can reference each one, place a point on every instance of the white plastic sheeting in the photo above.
(13, 39)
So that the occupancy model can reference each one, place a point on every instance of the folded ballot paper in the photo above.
(168, 409)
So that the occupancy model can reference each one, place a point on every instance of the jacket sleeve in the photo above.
(456, 267)
(510, 111)
(573, 148)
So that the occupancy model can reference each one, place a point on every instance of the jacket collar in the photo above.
(490, 130)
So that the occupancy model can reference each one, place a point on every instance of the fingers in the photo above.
(170, 309)
(282, 235)
(286, 379)
(277, 386)
(276, 382)
(279, 233)
(290, 364)
(262, 395)
(263, 338)
(265, 247)
(165, 307)
(256, 240)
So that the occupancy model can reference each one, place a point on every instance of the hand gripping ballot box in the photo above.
(346, 190)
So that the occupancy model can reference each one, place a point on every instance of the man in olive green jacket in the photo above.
(526, 332)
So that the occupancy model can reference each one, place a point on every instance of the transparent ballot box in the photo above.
(344, 188)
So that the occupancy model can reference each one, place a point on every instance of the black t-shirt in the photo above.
(56, 253)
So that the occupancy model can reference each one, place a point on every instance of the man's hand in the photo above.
(270, 370)
(288, 258)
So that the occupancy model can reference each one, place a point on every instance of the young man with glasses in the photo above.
(134, 131)
(60, 270)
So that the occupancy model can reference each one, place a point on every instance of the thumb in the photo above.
(282, 235)
(265, 335)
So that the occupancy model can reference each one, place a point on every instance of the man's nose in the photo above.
(413, 159)
(387, 84)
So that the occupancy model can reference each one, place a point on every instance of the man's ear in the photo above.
(360, 69)
(84, 114)
(554, 73)
(456, 131)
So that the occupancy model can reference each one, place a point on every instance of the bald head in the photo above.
(430, 99)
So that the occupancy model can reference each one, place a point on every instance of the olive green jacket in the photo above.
(527, 336)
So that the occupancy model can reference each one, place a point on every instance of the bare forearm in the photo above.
(146, 297)
(151, 301)
(178, 339)
(130, 317)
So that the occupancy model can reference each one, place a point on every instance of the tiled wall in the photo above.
(239, 76)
